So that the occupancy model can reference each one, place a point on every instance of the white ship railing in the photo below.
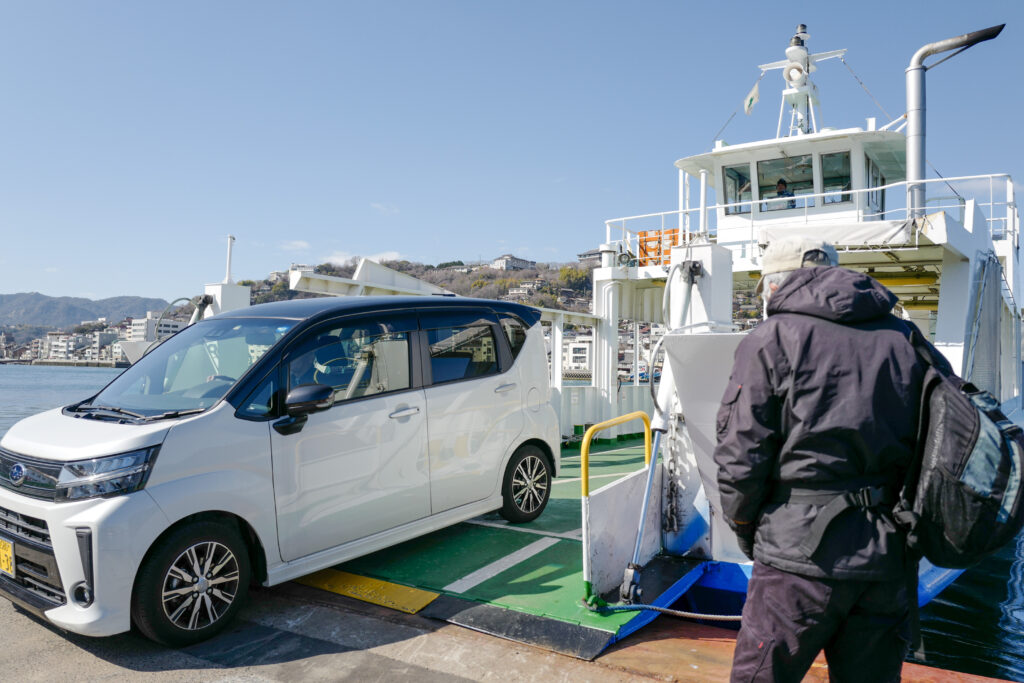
(1000, 211)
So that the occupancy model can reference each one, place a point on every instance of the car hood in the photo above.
(55, 436)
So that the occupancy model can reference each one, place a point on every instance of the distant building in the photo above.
(144, 329)
(117, 354)
(64, 346)
(510, 262)
(576, 353)
(590, 258)
(99, 349)
(517, 293)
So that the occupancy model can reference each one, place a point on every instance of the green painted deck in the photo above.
(547, 584)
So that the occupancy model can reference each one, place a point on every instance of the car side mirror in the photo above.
(306, 399)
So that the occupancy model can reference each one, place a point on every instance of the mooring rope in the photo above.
(671, 612)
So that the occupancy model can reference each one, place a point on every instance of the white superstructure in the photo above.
(948, 248)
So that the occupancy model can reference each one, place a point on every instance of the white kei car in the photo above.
(268, 443)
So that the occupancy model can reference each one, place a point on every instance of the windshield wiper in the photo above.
(175, 413)
(110, 409)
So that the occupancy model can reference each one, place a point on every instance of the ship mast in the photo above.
(800, 94)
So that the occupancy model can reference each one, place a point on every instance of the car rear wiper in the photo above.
(109, 409)
(174, 413)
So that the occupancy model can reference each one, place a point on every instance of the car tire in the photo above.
(176, 605)
(526, 487)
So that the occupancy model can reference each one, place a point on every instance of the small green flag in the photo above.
(752, 98)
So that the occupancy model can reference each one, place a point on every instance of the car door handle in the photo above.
(505, 387)
(404, 412)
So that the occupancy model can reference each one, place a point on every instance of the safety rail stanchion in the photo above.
(589, 597)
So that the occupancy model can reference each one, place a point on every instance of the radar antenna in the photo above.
(800, 94)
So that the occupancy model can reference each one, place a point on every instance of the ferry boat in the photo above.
(953, 261)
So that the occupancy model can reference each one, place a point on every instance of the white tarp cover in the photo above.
(862, 234)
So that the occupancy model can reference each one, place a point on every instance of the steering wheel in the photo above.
(332, 366)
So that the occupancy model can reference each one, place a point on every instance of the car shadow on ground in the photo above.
(286, 638)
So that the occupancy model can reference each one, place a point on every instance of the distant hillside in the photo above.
(37, 309)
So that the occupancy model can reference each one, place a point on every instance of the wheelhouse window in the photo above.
(736, 181)
(357, 359)
(835, 177)
(782, 182)
(875, 180)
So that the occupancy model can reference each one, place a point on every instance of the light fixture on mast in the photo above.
(800, 94)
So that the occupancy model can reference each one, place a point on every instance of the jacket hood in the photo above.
(832, 293)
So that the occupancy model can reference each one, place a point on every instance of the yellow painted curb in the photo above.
(384, 593)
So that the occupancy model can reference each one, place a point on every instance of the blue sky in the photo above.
(137, 135)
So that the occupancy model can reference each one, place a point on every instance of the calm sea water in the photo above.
(976, 625)
(29, 389)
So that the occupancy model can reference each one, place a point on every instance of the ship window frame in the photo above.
(799, 188)
(843, 193)
(733, 190)
(875, 197)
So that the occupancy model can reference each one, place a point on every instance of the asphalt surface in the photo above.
(290, 633)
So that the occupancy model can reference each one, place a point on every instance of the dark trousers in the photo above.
(863, 626)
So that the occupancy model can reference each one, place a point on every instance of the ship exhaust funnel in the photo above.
(916, 108)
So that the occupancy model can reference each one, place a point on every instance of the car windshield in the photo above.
(191, 370)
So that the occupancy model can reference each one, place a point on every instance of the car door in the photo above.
(474, 406)
(361, 466)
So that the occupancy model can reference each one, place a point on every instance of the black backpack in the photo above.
(961, 499)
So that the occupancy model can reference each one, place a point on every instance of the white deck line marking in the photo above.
(596, 476)
(494, 568)
(567, 535)
(595, 453)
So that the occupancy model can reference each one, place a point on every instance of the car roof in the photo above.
(324, 307)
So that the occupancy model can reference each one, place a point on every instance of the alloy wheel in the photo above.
(200, 585)
(530, 484)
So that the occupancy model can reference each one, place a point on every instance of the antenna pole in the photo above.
(227, 275)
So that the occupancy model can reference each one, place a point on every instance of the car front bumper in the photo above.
(88, 549)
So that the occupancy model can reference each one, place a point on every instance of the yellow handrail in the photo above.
(585, 448)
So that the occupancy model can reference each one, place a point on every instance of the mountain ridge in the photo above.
(33, 308)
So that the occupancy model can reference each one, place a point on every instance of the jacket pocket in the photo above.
(725, 411)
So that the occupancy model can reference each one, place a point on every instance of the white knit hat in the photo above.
(788, 253)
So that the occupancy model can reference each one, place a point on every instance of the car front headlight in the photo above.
(112, 475)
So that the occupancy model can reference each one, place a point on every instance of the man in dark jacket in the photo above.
(816, 428)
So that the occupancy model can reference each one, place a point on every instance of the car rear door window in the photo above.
(462, 352)
(515, 332)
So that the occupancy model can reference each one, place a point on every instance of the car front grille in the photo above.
(39, 477)
(24, 527)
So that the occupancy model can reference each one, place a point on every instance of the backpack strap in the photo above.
(864, 493)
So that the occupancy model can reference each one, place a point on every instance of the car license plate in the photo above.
(6, 557)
